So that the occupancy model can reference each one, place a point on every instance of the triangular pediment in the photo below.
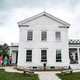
(40, 15)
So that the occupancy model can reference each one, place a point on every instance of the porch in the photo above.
(14, 53)
(74, 48)
(75, 66)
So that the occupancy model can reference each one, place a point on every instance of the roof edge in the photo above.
(45, 14)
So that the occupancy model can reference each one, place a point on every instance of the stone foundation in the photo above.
(41, 67)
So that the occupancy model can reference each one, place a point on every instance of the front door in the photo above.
(16, 57)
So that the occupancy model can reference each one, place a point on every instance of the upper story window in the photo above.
(43, 36)
(58, 56)
(28, 55)
(43, 55)
(30, 35)
(58, 36)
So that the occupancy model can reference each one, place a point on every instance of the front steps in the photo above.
(75, 66)
(14, 64)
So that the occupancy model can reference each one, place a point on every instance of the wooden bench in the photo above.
(31, 72)
(66, 71)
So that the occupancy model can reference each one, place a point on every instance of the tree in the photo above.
(0, 50)
(4, 49)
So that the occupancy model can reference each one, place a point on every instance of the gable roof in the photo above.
(44, 14)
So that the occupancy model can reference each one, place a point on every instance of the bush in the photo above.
(75, 61)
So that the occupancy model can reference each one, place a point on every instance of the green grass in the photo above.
(42, 70)
(18, 69)
(16, 76)
(68, 76)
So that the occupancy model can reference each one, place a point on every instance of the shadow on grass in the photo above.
(16, 76)
(42, 70)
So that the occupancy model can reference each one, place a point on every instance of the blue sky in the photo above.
(13, 11)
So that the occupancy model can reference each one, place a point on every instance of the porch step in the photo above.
(14, 64)
(75, 66)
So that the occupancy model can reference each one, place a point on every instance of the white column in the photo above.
(10, 52)
(13, 57)
(78, 55)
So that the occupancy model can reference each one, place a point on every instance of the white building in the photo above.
(43, 38)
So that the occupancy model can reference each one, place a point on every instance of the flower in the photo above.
(44, 63)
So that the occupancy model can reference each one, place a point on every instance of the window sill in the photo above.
(58, 41)
(43, 41)
(43, 62)
(58, 62)
(29, 41)
(28, 62)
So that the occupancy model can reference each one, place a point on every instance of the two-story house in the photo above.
(43, 38)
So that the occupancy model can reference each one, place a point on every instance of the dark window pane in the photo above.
(43, 55)
(58, 60)
(29, 55)
(57, 34)
(58, 55)
(43, 60)
(44, 36)
(30, 35)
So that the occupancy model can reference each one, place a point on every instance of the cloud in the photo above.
(8, 35)
(30, 4)
(13, 11)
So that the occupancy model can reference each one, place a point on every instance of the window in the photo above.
(43, 55)
(58, 56)
(76, 56)
(29, 56)
(58, 36)
(43, 36)
(30, 35)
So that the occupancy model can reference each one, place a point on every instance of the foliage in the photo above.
(4, 49)
(3, 64)
(44, 63)
(0, 49)
(16, 76)
(68, 76)
(75, 61)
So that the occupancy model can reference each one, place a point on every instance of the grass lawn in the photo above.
(16, 76)
(68, 76)
(42, 70)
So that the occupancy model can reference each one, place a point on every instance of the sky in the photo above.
(13, 11)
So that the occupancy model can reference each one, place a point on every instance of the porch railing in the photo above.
(14, 44)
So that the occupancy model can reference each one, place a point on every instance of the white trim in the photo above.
(43, 29)
(26, 35)
(23, 25)
(78, 55)
(43, 14)
(43, 48)
(73, 47)
(63, 26)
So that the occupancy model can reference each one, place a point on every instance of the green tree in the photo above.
(4, 49)
(0, 50)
